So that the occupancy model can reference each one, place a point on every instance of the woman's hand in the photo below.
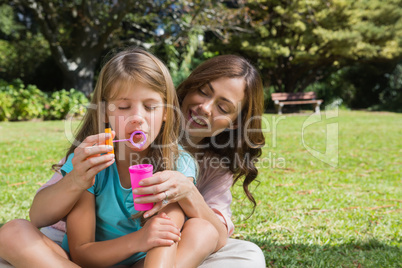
(88, 161)
(158, 231)
(171, 184)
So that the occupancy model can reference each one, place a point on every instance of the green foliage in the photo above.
(334, 88)
(296, 43)
(62, 103)
(22, 49)
(391, 97)
(21, 103)
(18, 102)
(180, 65)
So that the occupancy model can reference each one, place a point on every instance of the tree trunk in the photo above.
(80, 78)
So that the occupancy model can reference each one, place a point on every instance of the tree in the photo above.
(22, 48)
(296, 43)
(80, 32)
(77, 33)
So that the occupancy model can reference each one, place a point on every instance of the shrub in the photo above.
(65, 103)
(20, 103)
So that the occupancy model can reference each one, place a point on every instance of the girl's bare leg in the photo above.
(165, 257)
(199, 239)
(23, 245)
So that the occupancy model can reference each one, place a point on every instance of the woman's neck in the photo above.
(190, 144)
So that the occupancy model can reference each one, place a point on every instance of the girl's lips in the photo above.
(137, 137)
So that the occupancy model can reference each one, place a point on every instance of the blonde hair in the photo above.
(135, 64)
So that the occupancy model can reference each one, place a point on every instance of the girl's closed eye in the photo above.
(150, 107)
(124, 107)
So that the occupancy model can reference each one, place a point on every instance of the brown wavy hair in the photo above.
(247, 146)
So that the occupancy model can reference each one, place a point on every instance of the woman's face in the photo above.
(213, 108)
(135, 107)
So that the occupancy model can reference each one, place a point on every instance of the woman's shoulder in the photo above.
(213, 162)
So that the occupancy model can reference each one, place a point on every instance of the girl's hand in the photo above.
(158, 231)
(176, 185)
(88, 161)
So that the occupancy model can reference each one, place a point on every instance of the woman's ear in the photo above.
(233, 126)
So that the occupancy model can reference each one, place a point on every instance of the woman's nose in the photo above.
(206, 108)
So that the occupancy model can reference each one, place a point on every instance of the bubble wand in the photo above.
(131, 139)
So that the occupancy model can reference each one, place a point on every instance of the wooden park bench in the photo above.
(281, 99)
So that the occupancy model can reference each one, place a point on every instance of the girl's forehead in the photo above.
(132, 90)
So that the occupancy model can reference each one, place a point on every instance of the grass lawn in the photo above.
(309, 213)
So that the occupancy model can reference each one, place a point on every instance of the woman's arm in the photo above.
(81, 225)
(194, 206)
(55, 201)
(182, 190)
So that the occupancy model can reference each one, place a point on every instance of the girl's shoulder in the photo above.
(186, 164)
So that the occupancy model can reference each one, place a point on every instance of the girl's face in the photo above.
(213, 108)
(135, 107)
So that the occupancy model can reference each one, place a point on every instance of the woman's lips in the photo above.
(196, 121)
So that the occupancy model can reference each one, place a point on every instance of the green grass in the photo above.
(309, 214)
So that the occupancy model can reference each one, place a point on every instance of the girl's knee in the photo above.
(14, 232)
(202, 229)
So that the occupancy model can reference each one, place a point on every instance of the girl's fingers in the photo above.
(163, 215)
(172, 237)
(96, 160)
(95, 139)
(170, 228)
(96, 150)
(98, 168)
(163, 243)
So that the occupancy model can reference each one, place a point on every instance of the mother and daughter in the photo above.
(89, 200)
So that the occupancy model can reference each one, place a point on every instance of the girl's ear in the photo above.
(164, 115)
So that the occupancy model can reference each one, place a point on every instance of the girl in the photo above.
(137, 93)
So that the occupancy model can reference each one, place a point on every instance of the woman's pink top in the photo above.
(214, 183)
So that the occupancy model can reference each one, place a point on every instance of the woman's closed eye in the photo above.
(202, 92)
(223, 109)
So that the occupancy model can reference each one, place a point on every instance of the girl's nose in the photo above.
(136, 119)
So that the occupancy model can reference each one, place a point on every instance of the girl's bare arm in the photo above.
(84, 251)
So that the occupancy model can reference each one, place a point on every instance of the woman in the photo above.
(221, 104)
